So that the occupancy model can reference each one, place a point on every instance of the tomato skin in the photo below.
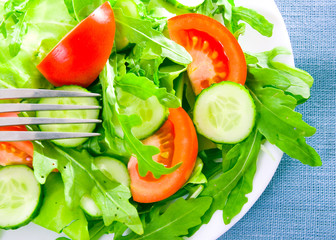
(82, 54)
(15, 152)
(185, 148)
(181, 30)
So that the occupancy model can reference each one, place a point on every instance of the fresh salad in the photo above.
(184, 114)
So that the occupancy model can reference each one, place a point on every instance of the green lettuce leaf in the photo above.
(143, 61)
(175, 221)
(55, 214)
(115, 144)
(47, 22)
(80, 177)
(70, 7)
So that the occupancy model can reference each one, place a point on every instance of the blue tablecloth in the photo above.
(300, 201)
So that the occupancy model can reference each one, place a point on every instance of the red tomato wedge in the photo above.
(217, 55)
(177, 141)
(82, 54)
(15, 152)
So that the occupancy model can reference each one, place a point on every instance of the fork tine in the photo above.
(15, 121)
(41, 93)
(15, 107)
(12, 136)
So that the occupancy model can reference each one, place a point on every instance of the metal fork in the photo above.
(11, 136)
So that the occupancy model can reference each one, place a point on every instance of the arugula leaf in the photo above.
(253, 18)
(175, 221)
(17, 10)
(17, 35)
(81, 177)
(215, 7)
(98, 229)
(212, 159)
(208, 8)
(144, 153)
(168, 74)
(271, 77)
(144, 88)
(276, 97)
(290, 79)
(229, 162)
(55, 215)
(232, 17)
(219, 188)
(225, 7)
(138, 30)
(281, 125)
(237, 198)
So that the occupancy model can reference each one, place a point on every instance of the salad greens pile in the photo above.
(151, 65)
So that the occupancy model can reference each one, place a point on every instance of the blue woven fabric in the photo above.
(300, 201)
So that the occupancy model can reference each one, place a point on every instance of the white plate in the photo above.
(269, 158)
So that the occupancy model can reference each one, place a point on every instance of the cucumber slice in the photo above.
(20, 196)
(225, 112)
(112, 169)
(90, 207)
(151, 112)
(80, 114)
(187, 4)
(129, 9)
